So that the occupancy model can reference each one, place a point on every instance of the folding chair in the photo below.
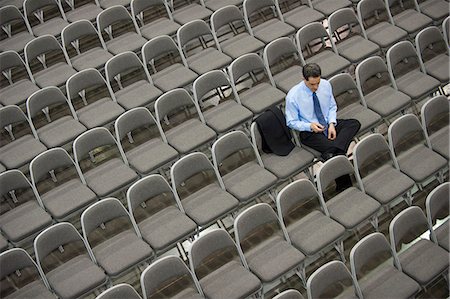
(435, 121)
(16, 38)
(80, 10)
(435, 9)
(40, 20)
(406, 15)
(186, 11)
(299, 13)
(437, 215)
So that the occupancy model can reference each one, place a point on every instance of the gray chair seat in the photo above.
(76, 277)
(17, 93)
(190, 135)
(230, 281)
(351, 207)
(272, 258)
(60, 132)
(288, 78)
(301, 16)
(191, 12)
(314, 232)
(3, 243)
(166, 227)
(217, 4)
(53, 27)
(99, 113)
(88, 11)
(54, 75)
(93, 58)
(207, 60)
(188, 293)
(241, 44)
(440, 142)
(109, 177)
(151, 155)
(35, 289)
(67, 198)
(387, 183)
(330, 6)
(130, 41)
(24, 221)
(385, 34)
(17, 42)
(208, 204)
(2, 168)
(417, 84)
(248, 180)
(435, 9)
(442, 235)
(271, 30)
(110, 3)
(227, 115)
(366, 117)
(438, 68)
(386, 100)
(121, 252)
(174, 76)
(412, 21)
(420, 162)
(162, 26)
(20, 151)
(285, 166)
(423, 261)
(138, 94)
(260, 97)
(356, 48)
(331, 63)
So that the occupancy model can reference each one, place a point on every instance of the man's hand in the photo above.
(317, 128)
(331, 132)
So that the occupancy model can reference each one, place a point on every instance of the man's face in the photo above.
(312, 83)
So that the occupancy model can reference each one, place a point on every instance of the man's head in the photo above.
(311, 75)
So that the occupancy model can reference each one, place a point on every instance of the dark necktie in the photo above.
(319, 114)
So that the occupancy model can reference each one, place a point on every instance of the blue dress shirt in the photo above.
(300, 106)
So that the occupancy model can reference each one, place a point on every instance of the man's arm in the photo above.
(292, 117)
(332, 111)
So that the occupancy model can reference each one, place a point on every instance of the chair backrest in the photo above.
(446, 30)
(228, 15)
(73, 33)
(79, 85)
(245, 64)
(10, 60)
(372, 73)
(437, 204)
(435, 114)
(289, 294)
(331, 170)
(188, 32)
(158, 48)
(402, 58)
(36, 8)
(404, 133)
(12, 115)
(39, 47)
(91, 140)
(111, 16)
(252, 7)
(172, 101)
(430, 43)
(340, 18)
(121, 290)
(11, 14)
(47, 97)
(139, 7)
(207, 83)
(307, 34)
(367, 9)
(276, 51)
(345, 90)
(14, 180)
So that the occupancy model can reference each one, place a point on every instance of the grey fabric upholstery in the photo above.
(437, 207)
(406, 16)
(3, 243)
(442, 235)
(190, 11)
(86, 11)
(10, 14)
(435, 114)
(109, 3)
(218, 4)
(122, 290)
(327, 7)
(435, 9)
(299, 16)
(52, 26)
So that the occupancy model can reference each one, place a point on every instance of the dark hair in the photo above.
(311, 70)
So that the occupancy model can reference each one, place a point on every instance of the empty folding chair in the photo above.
(80, 10)
(24, 217)
(411, 154)
(88, 93)
(194, 35)
(303, 219)
(328, 58)
(118, 31)
(376, 173)
(24, 145)
(299, 13)
(206, 201)
(350, 206)
(231, 34)
(12, 263)
(245, 178)
(284, 66)
(16, 38)
(142, 141)
(263, 247)
(19, 88)
(44, 17)
(289, 294)
(121, 290)
(352, 45)
(351, 104)
(377, 25)
(109, 3)
(218, 269)
(406, 15)
(327, 7)
(435, 121)
(164, 64)
(154, 18)
(182, 121)
(437, 208)
(265, 21)
(158, 279)
(186, 11)
(435, 9)
(128, 82)
(446, 30)
(417, 256)
(256, 94)
(46, 71)
(221, 113)
(112, 239)
(161, 221)
(78, 274)
(332, 280)
(54, 131)
(68, 193)
(104, 171)
(83, 46)
(433, 54)
(375, 272)
(378, 89)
